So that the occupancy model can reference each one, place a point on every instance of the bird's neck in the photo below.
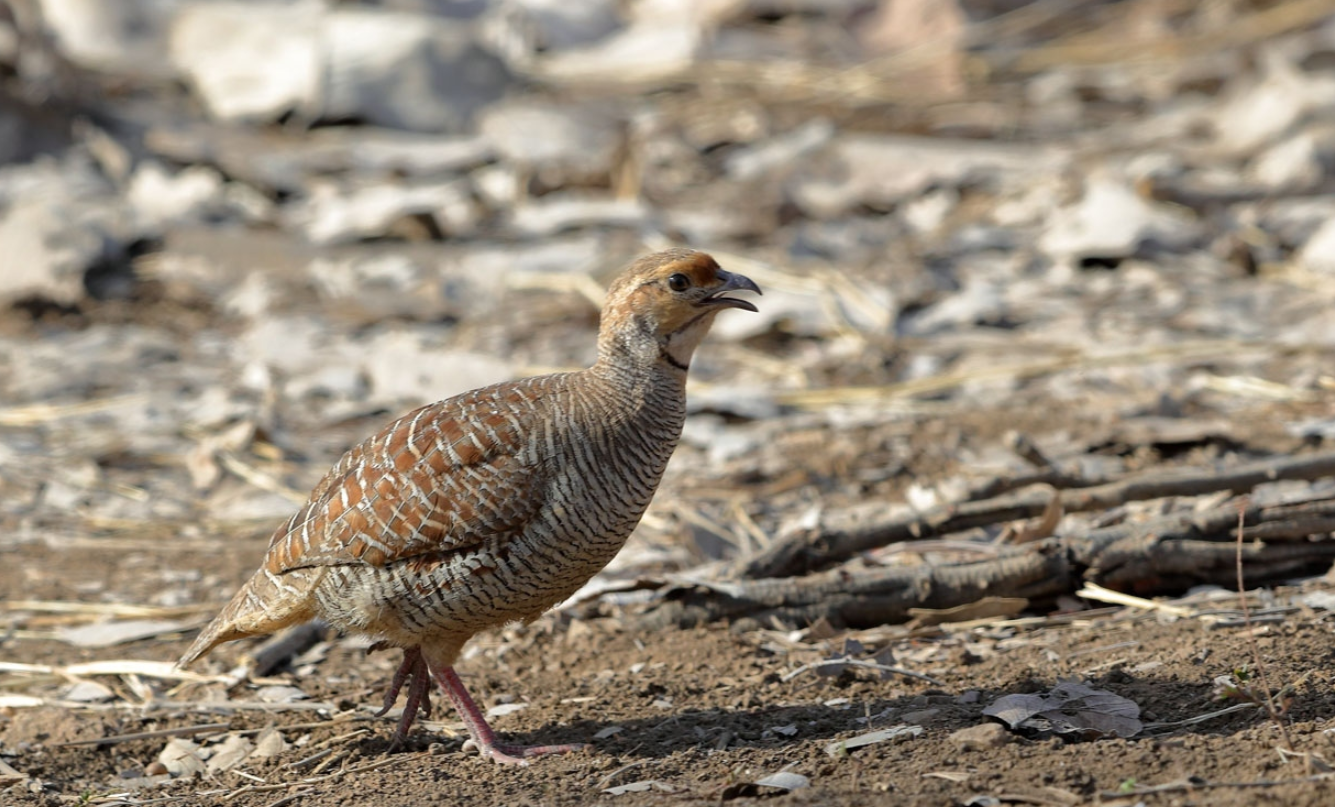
(640, 368)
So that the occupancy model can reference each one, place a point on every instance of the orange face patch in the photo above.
(699, 267)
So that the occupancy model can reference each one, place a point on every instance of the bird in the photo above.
(491, 506)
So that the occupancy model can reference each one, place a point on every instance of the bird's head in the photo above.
(662, 305)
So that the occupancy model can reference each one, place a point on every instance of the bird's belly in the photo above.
(458, 594)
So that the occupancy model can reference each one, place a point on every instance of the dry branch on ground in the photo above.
(1155, 556)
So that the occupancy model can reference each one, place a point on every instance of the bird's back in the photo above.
(467, 513)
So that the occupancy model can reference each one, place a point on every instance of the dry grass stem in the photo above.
(1093, 591)
(182, 731)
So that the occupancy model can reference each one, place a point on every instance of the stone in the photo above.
(559, 212)
(125, 37)
(251, 61)
(1292, 165)
(1113, 221)
(558, 25)
(407, 71)
(980, 737)
(335, 213)
(159, 198)
(63, 233)
(1318, 254)
(258, 62)
(883, 170)
(553, 139)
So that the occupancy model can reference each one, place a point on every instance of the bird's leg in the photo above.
(482, 734)
(419, 694)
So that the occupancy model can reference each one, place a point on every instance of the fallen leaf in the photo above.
(230, 753)
(181, 757)
(88, 692)
(637, 787)
(269, 743)
(9, 776)
(106, 634)
(785, 780)
(279, 693)
(1070, 708)
(841, 747)
(502, 709)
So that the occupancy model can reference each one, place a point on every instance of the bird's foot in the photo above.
(412, 669)
(506, 754)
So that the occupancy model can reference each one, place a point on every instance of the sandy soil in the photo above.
(701, 714)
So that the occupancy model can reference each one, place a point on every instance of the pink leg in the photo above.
(483, 736)
(419, 694)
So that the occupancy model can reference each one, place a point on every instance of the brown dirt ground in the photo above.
(698, 712)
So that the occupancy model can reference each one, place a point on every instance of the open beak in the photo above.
(731, 282)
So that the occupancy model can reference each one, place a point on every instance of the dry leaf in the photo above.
(841, 747)
(502, 709)
(637, 787)
(785, 780)
(181, 757)
(230, 753)
(269, 743)
(106, 634)
(1070, 708)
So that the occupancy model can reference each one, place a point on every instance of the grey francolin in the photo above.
(494, 505)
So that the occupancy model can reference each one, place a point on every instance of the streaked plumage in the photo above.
(494, 505)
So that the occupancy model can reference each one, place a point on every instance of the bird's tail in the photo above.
(265, 604)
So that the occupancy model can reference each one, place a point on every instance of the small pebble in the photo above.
(980, 737)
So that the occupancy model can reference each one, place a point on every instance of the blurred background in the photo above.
(235, 237)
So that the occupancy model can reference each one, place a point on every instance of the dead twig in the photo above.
(842, 535)
(1164, 554)
(1186, 787)
(181, 731)
(846, 662)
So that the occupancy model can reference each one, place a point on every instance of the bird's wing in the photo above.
(445, 477)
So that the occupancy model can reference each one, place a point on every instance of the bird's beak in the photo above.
(731, 282)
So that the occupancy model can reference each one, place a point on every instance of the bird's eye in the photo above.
(679, 282)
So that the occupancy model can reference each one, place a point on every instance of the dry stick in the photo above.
(841, 536)
(183, 731)
(870, 665)
(287, 645)
(1255, 650)
(1172, 552)
(1179, 787)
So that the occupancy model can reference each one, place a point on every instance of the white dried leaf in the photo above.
(637, 787)
(609, 731)
(840, 747)
(106, 634)
(503, 709)
(181, 757)
(279, 693)
(88, 692)
(784, 780)
(10, 775)
(269, 743)
(230, 753)
(787, 731)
